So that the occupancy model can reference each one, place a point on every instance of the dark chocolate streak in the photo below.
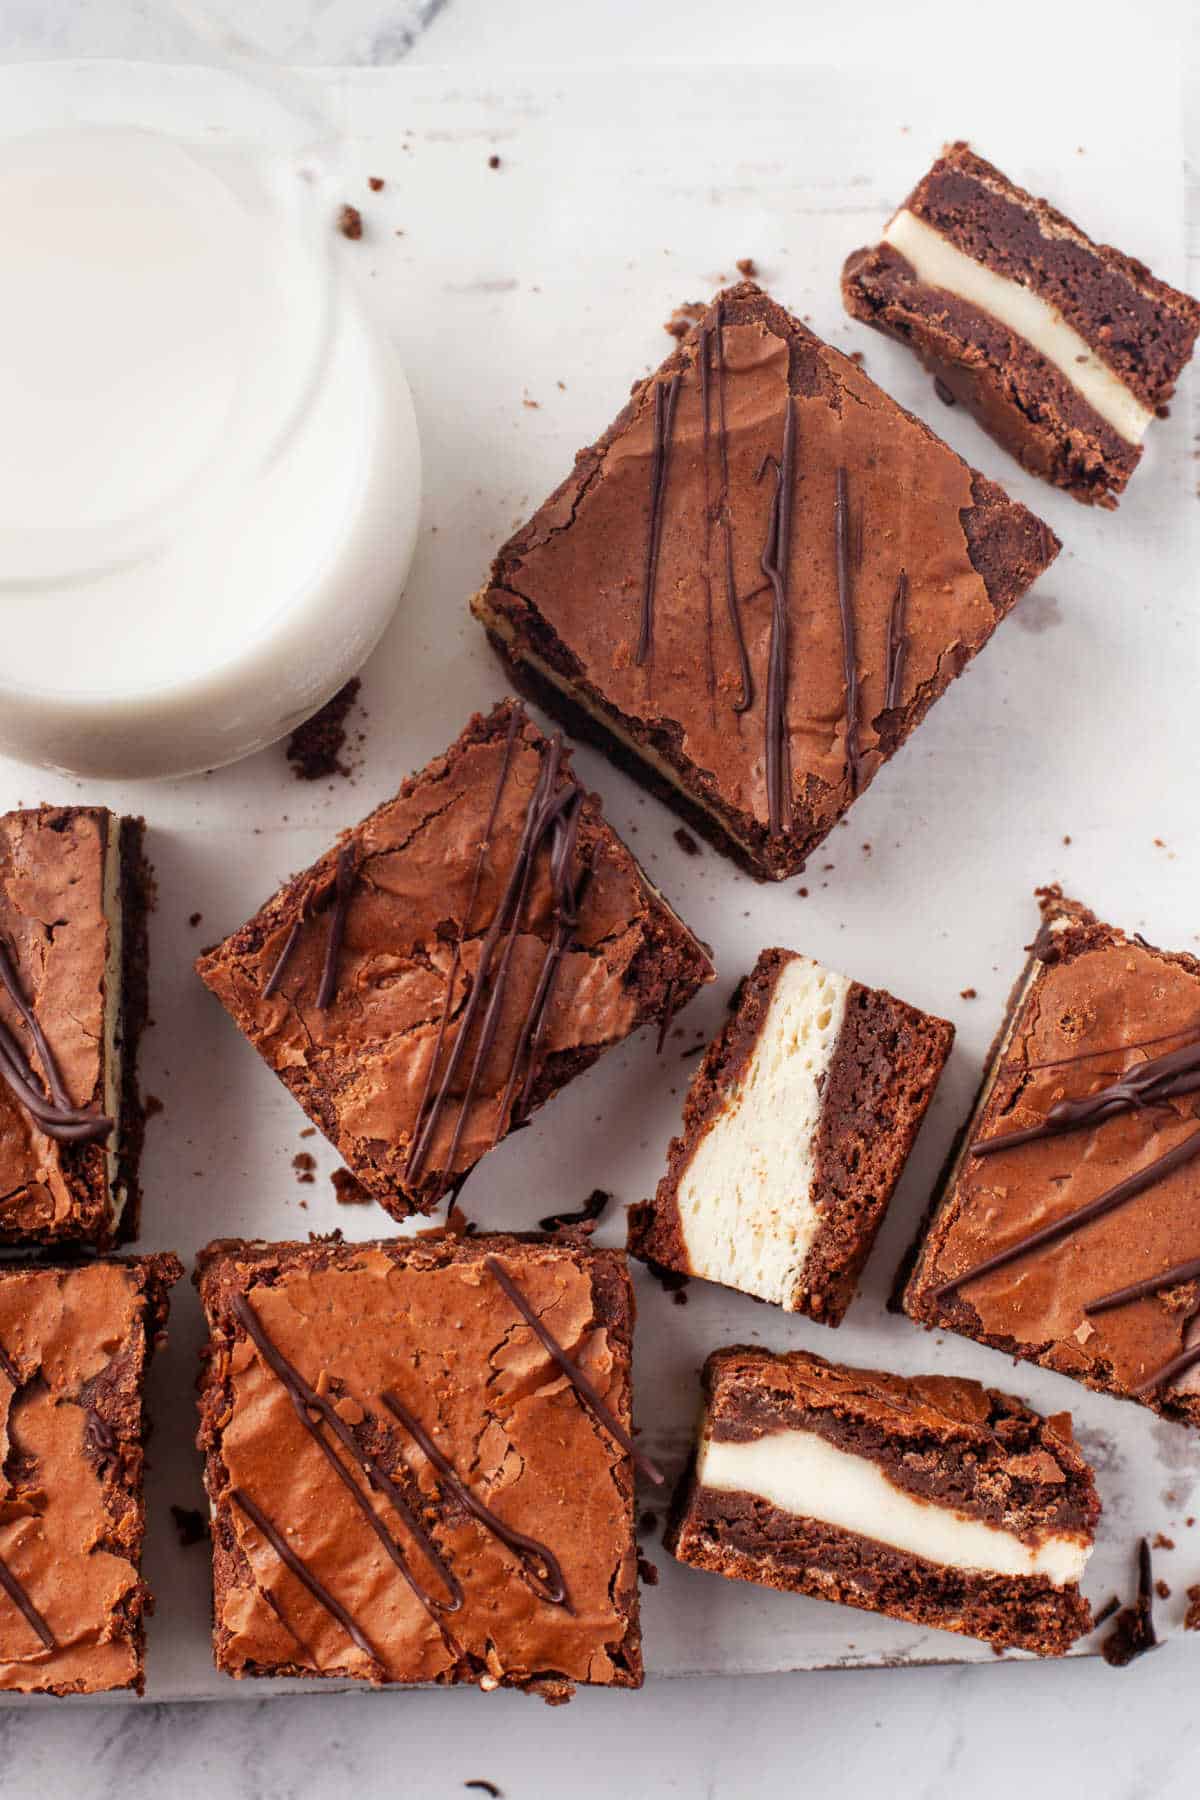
(1178, 1365)
(539, 1565)
(302, 1572)
(774, 564)
(306, 1401)
(746, 697)
(343, 887)
(574, 1374)
(52, 1112)
(25, 1606)
(1058, 1062)
(897, 644)
(665, 396)
(841, 539)
(591, 1209)
(1141, 1290)
(100, 1439)
(1135, 1184)
(1150, 1083)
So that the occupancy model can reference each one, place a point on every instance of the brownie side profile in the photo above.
(458, 957)
(75, 1340)
(796, 1130)
(1063, 349)
(74, 891)
(929, 1498)
(753, 586)
(407, 1485)
(1066, 1227)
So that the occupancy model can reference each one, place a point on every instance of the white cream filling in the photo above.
(112, 1049)
(802, 1474)
(939, 263)
(745, 1198)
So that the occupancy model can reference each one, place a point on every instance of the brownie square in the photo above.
(753, 586)
(74, 891)
(1063, 349)
(75, 1341)
(462, 954)
(928, 1498)
(1066, 1228)
(409, 1482)
(796, 1129)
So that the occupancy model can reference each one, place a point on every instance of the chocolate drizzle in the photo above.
(665, 396)
(49, 1107)
(1178, 1365)
(746, 698)
(587, 1214)
(1141, 1290)
(338, 893)
(897, 644)
(305, 1402)
(24, 1605)
(1150, 1083)
(574, 1374)
(1175, 1158)
(774, 562)
(841, 541)
(303, 1573)
(539, 1565)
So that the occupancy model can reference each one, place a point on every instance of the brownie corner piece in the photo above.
(463, 953)
(752, 587)
(796, 1129)
(1065, 1229)
(74, 892)
(75, 1341)
(368, 1527)
(928, 1498)
(1063, 349)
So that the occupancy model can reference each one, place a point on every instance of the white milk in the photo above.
(212, 475)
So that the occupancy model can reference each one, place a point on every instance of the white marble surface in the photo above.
(918, 1732)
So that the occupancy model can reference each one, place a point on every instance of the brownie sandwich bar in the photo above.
(463, 953)
(753, 586)
(420, 1462)
(1066, 1228)
(796, 1129)
(1063, 349)
(928, 1498)
(74, 892)
(75, 1342)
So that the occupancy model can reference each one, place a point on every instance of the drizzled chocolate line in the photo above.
(665, 396)
(841, 541)
(897, 644)
(50, 1108)
(345, 876)
(24, 1605)
(1058, 1062)
(586, 1214)
(574, 1374)
(303, 1573)
(1149, 1083)
(306, 1401)
(1158, 1170)
(774, 564)
(1141, 1290)
(1178, 1365)
(746, 698)
(539, 1564)
(702, 364)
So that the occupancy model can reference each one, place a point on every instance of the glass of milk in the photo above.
(211, 471)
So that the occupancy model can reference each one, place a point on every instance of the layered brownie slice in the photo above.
(1064, 350)
(74, 891)
(420, 1463)
(1066, 1229)
(796, 1130)
(459, 956)
(928, 1498)
(752, 588)
(74, 1344)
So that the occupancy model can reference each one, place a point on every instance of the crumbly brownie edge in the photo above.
(137, 891)
(231, 1266)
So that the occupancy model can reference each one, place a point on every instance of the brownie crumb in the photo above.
(152, 1106)
(493, 162)
(315, 748)
(349, 221)
(1134, 1635)
(686, 841)
(747, 266)
(1162, 1542)
(1162, 1590)
(304, 1163)
(943, 392)
(672, 1281)
(583, 1219)
(375, 183)
(191, 1526)
(1191, 1618)
(348, 1191)
(803, 893)
(194, 919)
(647, 1571)
(858, 359)
(684, 317)
(1067, 838)
(968, 993)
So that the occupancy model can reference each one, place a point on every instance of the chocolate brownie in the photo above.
(459, 956)
(796, 1129)
(755, 584)
(1063, 349)
(928, 1498)
(1066, 1228)
(75, 1340)
(420, 1462)
(74, 890)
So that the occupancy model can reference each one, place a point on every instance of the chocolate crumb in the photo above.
(349, 221)
(309, 1131)
(493, 162)
(1162, 1542)
(684, 317)
(304, 1163)
(1067, 839)
(191, 1526)
(692, 1050)
(686, 842)
(1134, 1635)
(584, 1217)
(1162, 1590)
(647, 1571)
(315, 748)
(747, 266)
(486, 1787)
(375, 183)
(1106, 1612)
(857, 358)
(152, 1105)
(803, 893)
(968, 993)
(647, 1524)
(943, 392)
(348, 1191)
(194, 919)
(1191, 1618)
